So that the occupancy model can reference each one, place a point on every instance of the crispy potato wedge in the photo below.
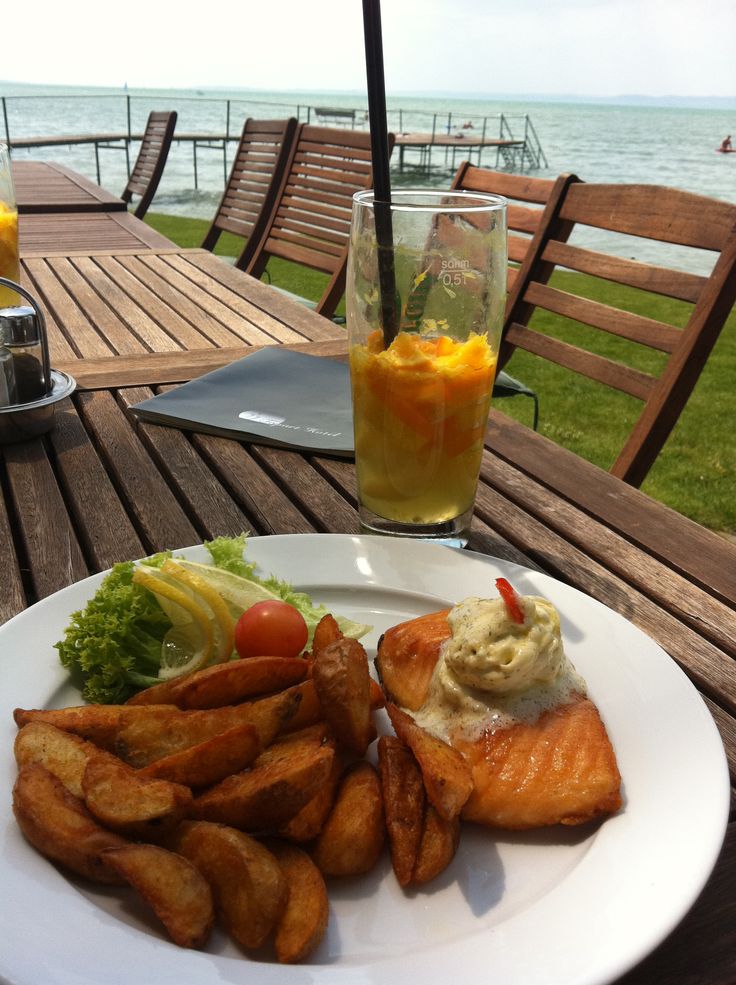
(447, 777)
(404, 804)
(353, 835)
(157, 694)
(144, 738)
(130, 804)
(227, 683)
(327, 631)
(440, 839)
(342, 681)
(273, 715)
(281, 781)
(309, 821)
(210, 761)
(98, 723)
(304, 921)
(151, 732)
(60, 827)
(248, 884)
(232, 682)
(62, 753)
(310, 710)
(176, 890)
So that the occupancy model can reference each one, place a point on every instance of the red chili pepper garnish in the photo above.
(511, 600)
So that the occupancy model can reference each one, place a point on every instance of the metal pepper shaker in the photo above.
(21, 335)
(7, 375)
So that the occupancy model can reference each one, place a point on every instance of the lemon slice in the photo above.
(190, 643)
(224, 623)
(238, 593)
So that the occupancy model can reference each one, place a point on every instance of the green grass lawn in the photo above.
(695, 473)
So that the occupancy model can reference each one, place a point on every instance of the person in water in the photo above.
(726, 144)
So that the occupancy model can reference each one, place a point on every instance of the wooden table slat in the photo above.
(216, 513)
(45, 186)
(157, 515)
(55, 281)
(200, 327)
(314, 494)
(250, 323)
(42, 234)
(154, 368)
(49, 543)
(696, 552)
(13, 596)
(260, 497)
(300, 317)
(104, 530)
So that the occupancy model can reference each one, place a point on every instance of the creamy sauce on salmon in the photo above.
(494, 672)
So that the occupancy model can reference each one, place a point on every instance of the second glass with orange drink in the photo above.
(9, 259)
(422, 383)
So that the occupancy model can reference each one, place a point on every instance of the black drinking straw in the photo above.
(380, 158)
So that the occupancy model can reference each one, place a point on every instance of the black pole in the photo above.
(380, 157)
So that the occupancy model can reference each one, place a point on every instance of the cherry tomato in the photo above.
(271, 629)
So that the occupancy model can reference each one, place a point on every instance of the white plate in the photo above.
(559, 907)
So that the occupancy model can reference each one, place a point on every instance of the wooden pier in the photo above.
(514, 153)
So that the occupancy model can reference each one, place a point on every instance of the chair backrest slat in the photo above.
(646, 276)
(255, 176)
(560, 321)
(624, 378)
(310, 221)
(149, 165)
(625, 324)
(651, 211)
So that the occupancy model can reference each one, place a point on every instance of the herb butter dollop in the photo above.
(494, 671)
(491, 652)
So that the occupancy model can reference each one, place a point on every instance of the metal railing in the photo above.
(213, 122)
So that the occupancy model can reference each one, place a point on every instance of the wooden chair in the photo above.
(255, 178)
(149, 165)
(650, 212)
(310, 223)
(527, 200)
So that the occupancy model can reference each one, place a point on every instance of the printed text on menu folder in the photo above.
(274, 397)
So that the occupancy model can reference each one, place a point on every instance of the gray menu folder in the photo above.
(272, 397)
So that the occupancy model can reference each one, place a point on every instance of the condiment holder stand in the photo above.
(29, 387)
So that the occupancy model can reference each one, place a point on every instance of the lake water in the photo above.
(655, 144)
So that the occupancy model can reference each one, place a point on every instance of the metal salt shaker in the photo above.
(7, 374)
(21, 333)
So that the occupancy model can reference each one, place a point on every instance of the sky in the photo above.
(469, 47)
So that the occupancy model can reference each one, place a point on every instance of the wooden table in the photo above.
(166, 300)
(153, 488)
(43, 233)
(43, 186)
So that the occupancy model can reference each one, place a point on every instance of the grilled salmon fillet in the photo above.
(559, 769)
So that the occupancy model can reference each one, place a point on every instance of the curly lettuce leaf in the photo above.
(112, 647)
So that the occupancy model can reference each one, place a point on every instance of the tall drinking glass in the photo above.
(422, 383)
(9, 262)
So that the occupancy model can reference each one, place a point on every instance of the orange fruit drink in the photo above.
(420, 408)
(9, 262)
